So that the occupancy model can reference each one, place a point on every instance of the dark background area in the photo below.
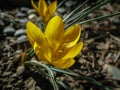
(101, 46)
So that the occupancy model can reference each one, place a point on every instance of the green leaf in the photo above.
(52, 78)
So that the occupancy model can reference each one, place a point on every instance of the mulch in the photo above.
(101, 47)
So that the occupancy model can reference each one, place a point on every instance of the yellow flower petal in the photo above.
(34, 34)
(41, 53)
(54, 32)
(64, 63)
(47, 49)
(52, 7)
(61, 52)
(75, 50)
(72, 35)
(34, 6)
(43, 9)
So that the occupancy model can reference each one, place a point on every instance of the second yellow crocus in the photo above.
(55, 46)
(44, 10)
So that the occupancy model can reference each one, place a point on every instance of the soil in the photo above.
(101, 49)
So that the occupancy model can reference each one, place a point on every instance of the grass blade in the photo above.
(91, 80)
(90, 10)
(100, 17)
(60, 3)
(81, 5)
(48, 70)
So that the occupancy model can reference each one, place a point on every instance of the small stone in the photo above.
(20, 70)
(31, 84)
(13, 75)
(6, 74)
(21, 38)
(20, 32)
(20, 15)
(23, 21)
(24, 9)
(19, 51)
(1, 23)
(31, 11)
(9, 86)
(69, 3)
(61, 10)
(9, 30)
(37, 88)
(32, 17)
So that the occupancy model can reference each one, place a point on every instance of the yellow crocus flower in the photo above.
(44, 10)
(55, 46)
